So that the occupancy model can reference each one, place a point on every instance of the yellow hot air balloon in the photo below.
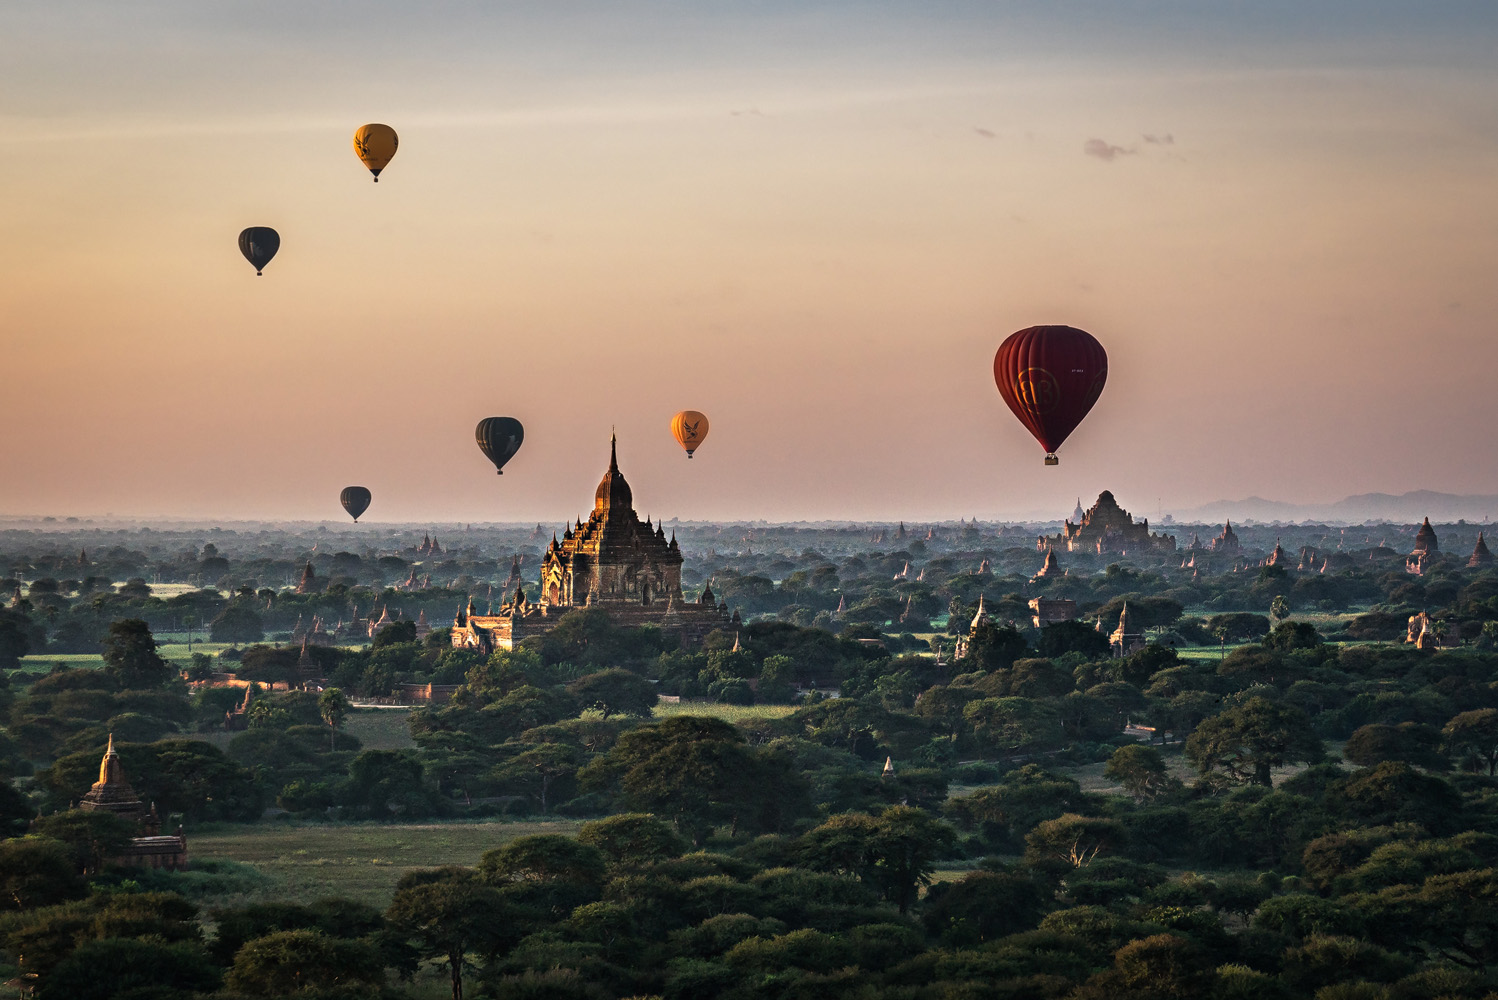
(375, 145)
(690, 428)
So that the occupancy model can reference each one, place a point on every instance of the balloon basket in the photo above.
(1051, 459)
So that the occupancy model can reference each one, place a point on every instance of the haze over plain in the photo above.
(814, 222)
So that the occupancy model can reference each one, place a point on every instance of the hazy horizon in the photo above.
(814, 222)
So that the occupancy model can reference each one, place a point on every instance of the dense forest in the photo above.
(1303, 805)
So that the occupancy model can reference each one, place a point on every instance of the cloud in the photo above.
(1161, 140)
(985, 133)
(1107, 152)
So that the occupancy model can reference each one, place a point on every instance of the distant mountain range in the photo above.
(1408, 508)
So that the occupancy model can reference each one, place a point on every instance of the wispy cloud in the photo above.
(985, 133)
(1160, 140)
(1105, 151)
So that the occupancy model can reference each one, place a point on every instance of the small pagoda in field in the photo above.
(113, 793)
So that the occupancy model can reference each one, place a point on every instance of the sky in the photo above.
(814, 221)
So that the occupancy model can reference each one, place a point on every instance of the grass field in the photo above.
(728, 713)
(380, 728)
(357, 861)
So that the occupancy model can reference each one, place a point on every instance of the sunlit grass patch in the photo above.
(728, 713)
(360, 861)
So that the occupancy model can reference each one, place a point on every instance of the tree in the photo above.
(690, 769)
(18, 636)
(1060, 638)
(130, 656)
(333, 706)
(1289, 636)
(982, 906)
(1249, 740)
(1140, 770)
(537, 769)
(394, 634)
(1411, 742)
(92, 837)
(385, 783)
(114, 967)
(632, 840)
(1163, 967)
(35, 872)
(238, 622)
(993, 647)
(453, 918)
(615, 692)
(1070, 842)
(893, 853)
(1475, 733)
(1279, 608)
(285, 963)
(1014, 725)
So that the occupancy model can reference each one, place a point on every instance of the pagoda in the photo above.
(613, 561)
(1107, 528)
(1426, 548)
(1480, 554)
(113, 793)
(1227, 541)
(1051, 567)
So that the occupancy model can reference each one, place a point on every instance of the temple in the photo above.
(113, 793)
(1050, 567)
(1427, 547)
(1227, 542)
(1480, 554)
(1107, 528)
(612, 561)
(1128, 638)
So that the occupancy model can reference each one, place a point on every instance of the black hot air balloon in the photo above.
(355, 500)
(259, 244)
(499, 439)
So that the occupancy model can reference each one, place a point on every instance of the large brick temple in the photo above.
(613, 561)
(1106, 529)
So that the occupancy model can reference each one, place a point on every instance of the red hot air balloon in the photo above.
(1050, 376)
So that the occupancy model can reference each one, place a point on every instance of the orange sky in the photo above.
(813, 222)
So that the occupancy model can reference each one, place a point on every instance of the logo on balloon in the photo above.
(1038, 390)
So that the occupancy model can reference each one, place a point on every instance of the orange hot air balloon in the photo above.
(690, 429)
(375, 145)
(1050, 376)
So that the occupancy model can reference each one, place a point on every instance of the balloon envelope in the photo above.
(259, 244)
(1050, 376)
(355, 500)
(690, 429)
(375, 145)
(499, 439)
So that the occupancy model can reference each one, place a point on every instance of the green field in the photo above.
(380, 728)
(728, 713)
(358, 861)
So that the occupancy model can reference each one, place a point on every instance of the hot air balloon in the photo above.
(690, 428)
(1050, 376)
(355, 500)
(259, 244)
(375, 145)
(499, 439)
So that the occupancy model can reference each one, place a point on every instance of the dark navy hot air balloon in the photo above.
(259, 244)
(499, 438)
(355, 500)
(1050, 376)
